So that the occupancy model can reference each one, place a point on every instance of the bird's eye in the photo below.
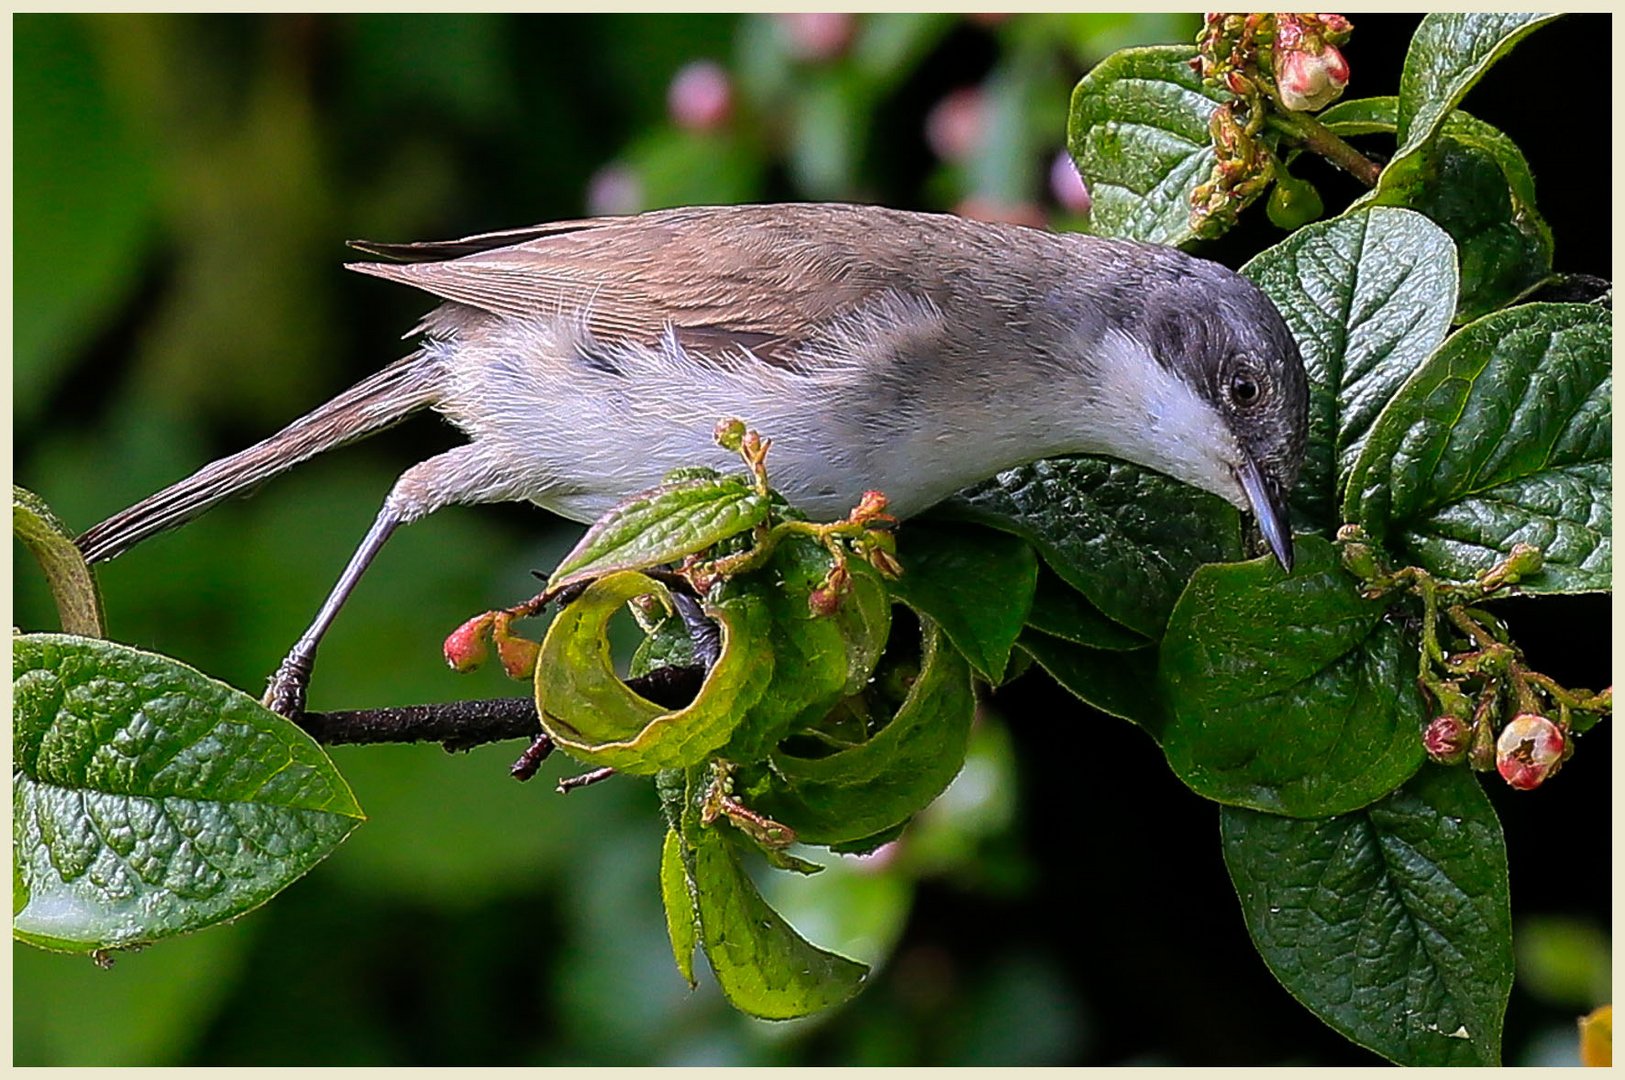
(1243, 388)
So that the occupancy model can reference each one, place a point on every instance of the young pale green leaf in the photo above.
(590, 713)
(1503, 436)
(1138, 131)
(1286, 692)
(682, 921)
(1368, 297)
(151, 800)
(662, 525)
(1450, 52)
(1121, 683)
(819, 659)
(1478, 187)
(1125, 537)
(1391, 924)
(868, 788)
(764, 967)
(976, 583)
(73, 587)
(1061, 611)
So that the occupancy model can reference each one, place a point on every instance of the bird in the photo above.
(907, 352)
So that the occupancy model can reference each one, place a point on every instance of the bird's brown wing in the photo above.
(766, 278)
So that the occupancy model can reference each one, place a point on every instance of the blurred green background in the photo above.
(182, 188)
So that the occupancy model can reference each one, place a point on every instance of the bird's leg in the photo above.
(460, 475)
(286, 693)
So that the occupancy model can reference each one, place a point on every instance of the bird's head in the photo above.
(1208, 386)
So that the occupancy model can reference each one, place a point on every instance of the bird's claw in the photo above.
(285, 695)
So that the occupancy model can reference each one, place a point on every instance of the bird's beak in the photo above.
(1269, 507)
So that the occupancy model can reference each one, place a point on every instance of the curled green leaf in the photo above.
(73, 587)
(151, 800)
(589, 712)
(883, 781)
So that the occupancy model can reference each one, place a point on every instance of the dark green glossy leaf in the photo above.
(662, 525)
(1126, 537)
(1478, 187)
(1122, 683)
(1061, 611)
(1287, 692)
(1504, 436)
(1368, 297)
(150, 800)
(1138, 131)
(1450, 52)
(1391, 924)
(818, 659)
(868, 788)
(977, 584)
(73, 587)
(764, 967)
(682, 921)
(590, 713)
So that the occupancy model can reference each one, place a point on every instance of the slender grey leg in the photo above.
(460, 475)
(286, 694)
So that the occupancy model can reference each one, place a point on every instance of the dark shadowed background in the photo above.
(183, 186)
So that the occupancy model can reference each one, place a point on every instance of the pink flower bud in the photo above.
(1310, 80)
(1529, 750)
(817, 35)
(1067, 186)
(518, 655)
(700, 97)
(1446, 739)
(468, 646)
(955, 126)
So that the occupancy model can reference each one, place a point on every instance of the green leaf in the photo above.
(1125, 537)
(151, 800)
(662, 525)
(1368, 296)
(818, 659)
(590, 713)
(977, 584)
(1121, 683)
(1478, 187)
(78, 601)
(1061, 611)
(1138, 131)
(867, 788)
(1449, 53)
(682, 921)
(1391, 924)
(1287, 692)
(1503, 436)
(764, 967)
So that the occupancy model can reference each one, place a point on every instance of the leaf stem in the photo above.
(1320, 139)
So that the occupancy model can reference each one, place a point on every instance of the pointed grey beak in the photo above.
(1270, 508)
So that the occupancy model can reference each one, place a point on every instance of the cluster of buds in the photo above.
(468, 646)
(1485, 678)
(1310, 71)
(734, 436)
(1243, 167)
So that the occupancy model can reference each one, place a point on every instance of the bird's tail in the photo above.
(374, 403)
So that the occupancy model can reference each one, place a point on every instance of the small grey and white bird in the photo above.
(912, 353)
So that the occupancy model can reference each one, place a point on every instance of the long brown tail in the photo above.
(370, 405)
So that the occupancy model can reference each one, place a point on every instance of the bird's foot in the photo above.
(286, 692)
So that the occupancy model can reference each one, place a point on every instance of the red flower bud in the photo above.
(1310, 80)
(518, 655)
(468, 646)
(1446, 739)
(1529, 750)
(700, 97)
